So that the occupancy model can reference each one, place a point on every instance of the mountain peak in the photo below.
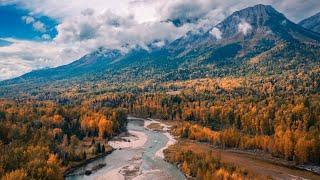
(257, 15)
(261, 19)
(259, 8)
(101, 56)
(262, 7)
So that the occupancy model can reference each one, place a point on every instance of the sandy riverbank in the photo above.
(135, 139)
(165, 129)
(138, 154)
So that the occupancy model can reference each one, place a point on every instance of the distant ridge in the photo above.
(312, 23)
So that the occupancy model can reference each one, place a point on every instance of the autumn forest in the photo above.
(239, 99)
(277, 115)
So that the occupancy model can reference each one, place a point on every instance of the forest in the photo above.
(201, 163)
(278, 116)
(46, 132)
(41, 139)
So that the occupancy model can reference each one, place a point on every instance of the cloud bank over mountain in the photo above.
(83, 27)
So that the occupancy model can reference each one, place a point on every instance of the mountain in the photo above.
(255, 40)
(312, 23)
(95, 61)
(258, 27)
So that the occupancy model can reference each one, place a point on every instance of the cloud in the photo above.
(36, 24)
(23, 56)
(114, 31)
(244, 27)
(46, 37)
(28, 19)
(80, 35)
(39, 26)
(184, 10)
(159, 43)
(13, 68)
(150, 10)
(194, 10)
(87, 12)
(216, 33)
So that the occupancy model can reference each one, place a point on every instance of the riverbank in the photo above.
(251, 162)
(262, 156)
(157, 125)
(70, 170)
(131, 139)
(266, 157)
(263, 165)
(136, 155)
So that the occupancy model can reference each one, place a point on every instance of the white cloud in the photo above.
(244, 27)
(23, 56)
(87, 12)
(295, 10)
(28, 19)
(216, 33)
(11, 68)
(159, 44)
(150, 10)
(39, 26)
(81, 35)
(111, 30)
(46, 37)
(185, 10)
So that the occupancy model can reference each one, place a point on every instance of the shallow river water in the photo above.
(138, 163)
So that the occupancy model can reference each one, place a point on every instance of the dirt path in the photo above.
(255, 165)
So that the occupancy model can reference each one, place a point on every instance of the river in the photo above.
(138, 159)
(141, 157)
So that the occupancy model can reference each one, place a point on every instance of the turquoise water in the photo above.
(156, 167)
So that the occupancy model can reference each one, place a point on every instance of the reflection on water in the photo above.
(150, 166)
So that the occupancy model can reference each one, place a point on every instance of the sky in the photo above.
(37, 34)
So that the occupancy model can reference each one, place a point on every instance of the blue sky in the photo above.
(47, 33)
(13, 24)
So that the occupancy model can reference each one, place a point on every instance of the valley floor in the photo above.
(256, 164)
(137, 155)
